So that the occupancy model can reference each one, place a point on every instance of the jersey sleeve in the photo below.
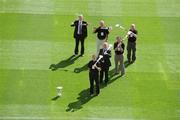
(115, 46)
(123, 46)
(107, 31)
(96, 30)
(136, 32)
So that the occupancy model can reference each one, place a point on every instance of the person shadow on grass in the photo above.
(80, 69)
(55, 98)
(82, 99)
(126, 64)
(84, 95)
(112, 72)
(113, 77)
(64, 63)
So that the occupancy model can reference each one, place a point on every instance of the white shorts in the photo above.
(99, 44)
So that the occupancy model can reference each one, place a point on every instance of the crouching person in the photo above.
(94, 68)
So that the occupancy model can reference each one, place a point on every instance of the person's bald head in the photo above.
(93, 57)
(80, 17)
(101, 23)
(105, 45)
(119, 39)
(133, 26)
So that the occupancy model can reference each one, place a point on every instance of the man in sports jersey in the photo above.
(102, 35)
(131, 45)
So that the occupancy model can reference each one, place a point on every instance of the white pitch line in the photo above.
(161, 68)
(23, 118)
(165, 77)
(60, 118)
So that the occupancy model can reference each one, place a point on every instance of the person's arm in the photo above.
(108, 53)
(115, 47)
(100, 52)
(126, 36)
(122, 47)
(107, 31)
(85, 23)
(135, 35)
(95, 30)
(98, 67)
(89, 65)
(73, 24)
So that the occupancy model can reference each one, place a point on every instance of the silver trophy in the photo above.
(59, 91)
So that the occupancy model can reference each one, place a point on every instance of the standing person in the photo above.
(105, 62)
(102, 35)
(94, 69)
(119, 50)
(80, 34)
(131, 46)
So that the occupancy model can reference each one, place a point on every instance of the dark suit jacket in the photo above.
(106, 63)
(84, 29)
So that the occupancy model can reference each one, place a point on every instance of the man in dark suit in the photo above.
(105, 62)
(94, 68)
(80, 33)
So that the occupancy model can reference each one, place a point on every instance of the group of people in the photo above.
(100, 63)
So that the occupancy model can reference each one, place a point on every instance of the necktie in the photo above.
(80, 28)
(105, 51)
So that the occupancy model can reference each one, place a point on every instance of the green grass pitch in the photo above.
(36, 33)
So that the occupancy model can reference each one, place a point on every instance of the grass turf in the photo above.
(35, 34)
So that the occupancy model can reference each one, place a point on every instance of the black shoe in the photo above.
(133, 61)
(122, 74)
(75, 55)
(116, 73)
(91, 94)
(82, 55)
(129, 61)
(97, 94)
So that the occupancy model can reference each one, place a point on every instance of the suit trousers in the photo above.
(99, 44)
(106, 72)
(131, 48)
(77, 40)
(119, 67)
(94, 78)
